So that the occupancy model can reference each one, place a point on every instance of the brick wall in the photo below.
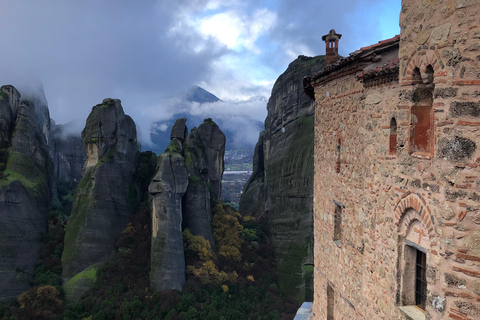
(428, 195)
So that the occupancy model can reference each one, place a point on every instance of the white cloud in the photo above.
(143, 52)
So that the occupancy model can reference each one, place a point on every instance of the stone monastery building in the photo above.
(397, 176)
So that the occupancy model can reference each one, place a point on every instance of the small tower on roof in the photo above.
(331, 40)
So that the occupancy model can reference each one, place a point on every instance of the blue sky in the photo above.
(146, 52)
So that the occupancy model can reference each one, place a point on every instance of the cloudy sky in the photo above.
(146, 52)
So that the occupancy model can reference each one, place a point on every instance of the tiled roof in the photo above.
(380, 43)
(362, 53)
(388, 68)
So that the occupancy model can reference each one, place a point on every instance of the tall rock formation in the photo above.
(188, 177)
(204, 153)
(25, 187)
(167, 188)
(100, 209)
(280, 189)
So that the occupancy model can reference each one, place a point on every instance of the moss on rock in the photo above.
(80, 207)
(80, 283)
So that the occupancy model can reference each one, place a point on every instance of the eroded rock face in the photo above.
(25, 184)
(280, 189)
(204, 151)
(188, 177)
(100, 209)
(167, 189)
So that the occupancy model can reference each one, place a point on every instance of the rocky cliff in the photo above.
(280, 190)
(25, 187)
(100, 209)
(188, 177)
(204, 153)
(167, 188)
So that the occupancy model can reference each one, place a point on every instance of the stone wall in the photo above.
(421, 195)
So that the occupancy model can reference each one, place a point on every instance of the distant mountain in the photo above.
(200, 95)
(235, 128)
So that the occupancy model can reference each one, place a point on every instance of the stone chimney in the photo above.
(331, 40)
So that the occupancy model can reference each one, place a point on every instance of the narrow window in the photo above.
(421, 280)
(393, 137)
(338, 151)
(337, 228)
(330, 302)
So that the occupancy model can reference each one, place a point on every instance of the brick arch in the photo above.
(420, 212)
(421, 60)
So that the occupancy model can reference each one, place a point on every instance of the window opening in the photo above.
(338, 151)
(330, 302)
(421, 280)
(393, 137)
(421, 125)
(337, 228)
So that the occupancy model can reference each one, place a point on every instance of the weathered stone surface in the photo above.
(370, 269)
(473, 242)
(281, 188)
(456, 149)
(179, 130)
(422, 37)
(445, 92)
(253, 194)
(440, 33)
(100, 208)
(167, 189)
(373, 99)
(459, 4)
(465, 109)
(188, 178)
(453, 281)
(214, 141)
(204, 151)
(468, 308)
(9, 102)
(476, 287)
(25, 184)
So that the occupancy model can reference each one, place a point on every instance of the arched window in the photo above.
(393, 137)
(413, 247)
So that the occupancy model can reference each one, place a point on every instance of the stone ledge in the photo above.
(413, 312)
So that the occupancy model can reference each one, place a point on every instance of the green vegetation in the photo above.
(236, 281)
(107, 157)
(105, 104)
(91, 140)
(88, 275)
(210, 121)
(20, 167)
(200, 145)
(173, 147)
(3, 95)
(190, 156)
(79, 212)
